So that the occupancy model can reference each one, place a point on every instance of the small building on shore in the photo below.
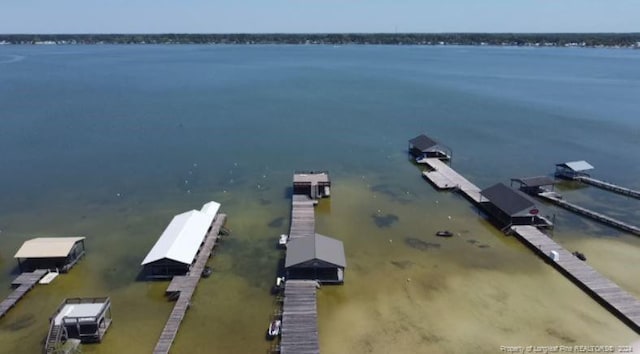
(573, 169)
(52, 253)
(511, 207)
(313, 184)
(423, 146)
(86, 319)
(177, 247)
(316, 257)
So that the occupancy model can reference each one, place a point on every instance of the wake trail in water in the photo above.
(11, 59)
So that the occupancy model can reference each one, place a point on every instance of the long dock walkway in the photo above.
(554, 198)
(609, 186)
(617, 300)
(24, 282)
(186, 285)
(444, 177)
(299, 318)
(303, 219)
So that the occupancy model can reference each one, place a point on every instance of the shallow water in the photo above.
(111, 142)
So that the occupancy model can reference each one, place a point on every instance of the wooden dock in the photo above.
(303, 220)
(444, 177)
(24, 283)
(299, 318)
(186, 285)
(609, 186)
(618, 301)
(556, 199)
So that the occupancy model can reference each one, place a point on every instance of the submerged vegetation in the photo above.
(496, 39)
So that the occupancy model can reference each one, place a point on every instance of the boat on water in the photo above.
(274, 329)
(444, 233)
(282, 243)
(279, 285)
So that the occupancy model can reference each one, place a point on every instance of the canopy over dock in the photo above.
(423, 146)
(511, 207)
(573, 169)
(316, 257)
(314, 184)
(178, 245)
(52, 253)
(534, 185)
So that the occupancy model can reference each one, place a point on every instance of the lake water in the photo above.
(111, 141)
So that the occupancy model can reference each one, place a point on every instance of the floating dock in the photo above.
(609, 186)
(556, 199)
(186, 286)
(444, 177)
(299, 318)
(24, 283)
(621, 303)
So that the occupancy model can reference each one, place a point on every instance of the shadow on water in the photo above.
(252, 262)
(276, 222)
(420, 245)
(384, 221)
(22, 322)
(395, 193)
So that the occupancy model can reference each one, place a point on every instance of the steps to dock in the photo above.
(609, 186)
(556, 199)
(186, 285)
(620, 302)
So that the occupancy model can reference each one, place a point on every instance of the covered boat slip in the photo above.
(511, 207)
(314, 184)
(177, 247)
(316, 257)
(52, 253)
(576, 171)
(422, 147)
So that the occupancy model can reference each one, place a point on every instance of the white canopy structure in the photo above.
(47, 247)
(183, 236)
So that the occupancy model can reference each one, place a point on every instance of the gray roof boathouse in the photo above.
(511, 207)
(423, 146)
(316, 257)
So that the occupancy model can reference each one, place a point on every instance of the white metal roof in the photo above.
(211, 208)
(79, 311)
(182, 238)
(47, 247)
(578, 166)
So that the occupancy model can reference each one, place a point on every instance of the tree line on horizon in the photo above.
(516, 39)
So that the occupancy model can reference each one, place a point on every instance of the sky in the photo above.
(317, 16)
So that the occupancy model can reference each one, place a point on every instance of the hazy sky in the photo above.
(215, 16)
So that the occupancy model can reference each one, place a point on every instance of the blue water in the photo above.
(135, 134)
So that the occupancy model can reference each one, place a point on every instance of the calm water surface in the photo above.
(111, 141)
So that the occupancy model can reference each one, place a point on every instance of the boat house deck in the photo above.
(299, 318)
(444, 177)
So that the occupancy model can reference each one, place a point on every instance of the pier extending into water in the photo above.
(609, 186)
(624, 305)
(607, 293)
(444, 177)
(24, 282)
(299, 318)
(555, 198)
(186, 286)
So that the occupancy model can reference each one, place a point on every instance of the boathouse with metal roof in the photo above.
(53, 253)
(573, 169)
(316, 257)
(177, 247)
(423, 146)
(511, 207)
(535, 185)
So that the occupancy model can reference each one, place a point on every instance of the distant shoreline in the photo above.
(582, 40)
